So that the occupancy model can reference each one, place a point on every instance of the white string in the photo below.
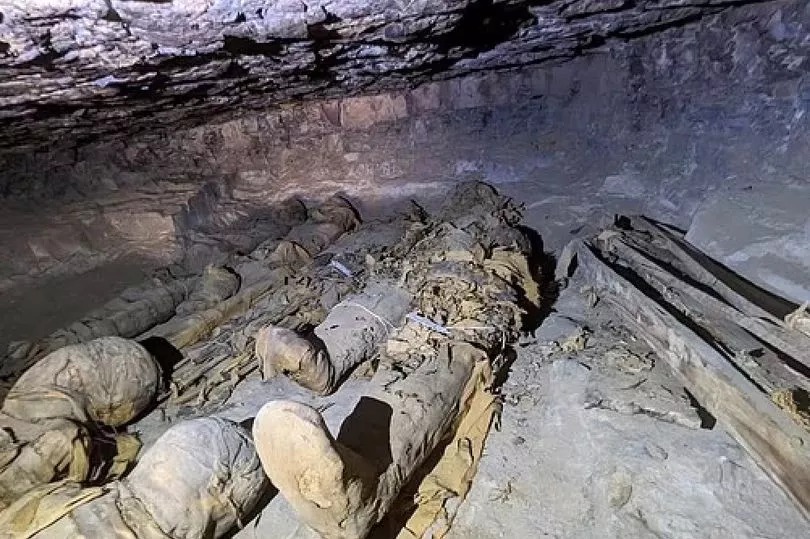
(341, 268)
(386, 324)
(475, 327)
(427, 323)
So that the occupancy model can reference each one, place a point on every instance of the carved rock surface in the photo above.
(81, 69)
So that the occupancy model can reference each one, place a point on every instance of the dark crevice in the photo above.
(48, 110)
(250, 47)
(542, 263)
(707, 420)
(50, 20)
(235, 71)
(111, 15)
(323, 36)
(324, 30)
(655, 28)
(173, 63)
(627, 4)
(483, 25)
(669, 268)
(702, 5)
(776, 305)
(788, 360)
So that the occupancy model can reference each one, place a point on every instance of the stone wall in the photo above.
(653, 123)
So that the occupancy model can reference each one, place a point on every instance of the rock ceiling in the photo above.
(77, 70)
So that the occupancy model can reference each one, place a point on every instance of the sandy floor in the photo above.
(603, 442)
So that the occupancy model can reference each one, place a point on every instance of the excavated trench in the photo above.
(398, 244)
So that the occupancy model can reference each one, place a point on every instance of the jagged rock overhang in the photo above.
(76, 70)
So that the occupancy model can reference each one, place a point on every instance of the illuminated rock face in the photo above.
(111, 149)
(84, 69)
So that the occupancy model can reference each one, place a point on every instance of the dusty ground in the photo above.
(604, 442)
(34, 311)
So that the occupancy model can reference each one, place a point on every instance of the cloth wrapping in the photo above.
(469, 276)
(198, 481)
(215, 285)
(52, 414)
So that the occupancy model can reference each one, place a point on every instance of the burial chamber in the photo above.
(456, 268)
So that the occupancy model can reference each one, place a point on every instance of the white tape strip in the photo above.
(427, 323)
(341, 268)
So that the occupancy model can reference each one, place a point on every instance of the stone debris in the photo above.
(575, 342)
(796, 402)
(799, 319)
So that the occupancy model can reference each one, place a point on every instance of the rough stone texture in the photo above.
(87, 68)
(591, 448)
(652, 124)
(710, 109)
(763, 235)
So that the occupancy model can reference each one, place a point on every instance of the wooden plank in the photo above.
(744, 312)
(776, 444)
(742, 294)
(724, 321)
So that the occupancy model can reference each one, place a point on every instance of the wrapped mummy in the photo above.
(52, 412)
(341, 486)
(350, 334)
(216, 284)
(199, 481)
(327, 223)
(134, 311)
(472, 286)
(450, 263)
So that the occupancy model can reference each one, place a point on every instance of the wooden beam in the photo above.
(779, 446)
(727, 324)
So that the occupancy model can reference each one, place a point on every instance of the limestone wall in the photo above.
(653, 123)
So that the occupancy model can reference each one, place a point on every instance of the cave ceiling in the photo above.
(73, 71)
